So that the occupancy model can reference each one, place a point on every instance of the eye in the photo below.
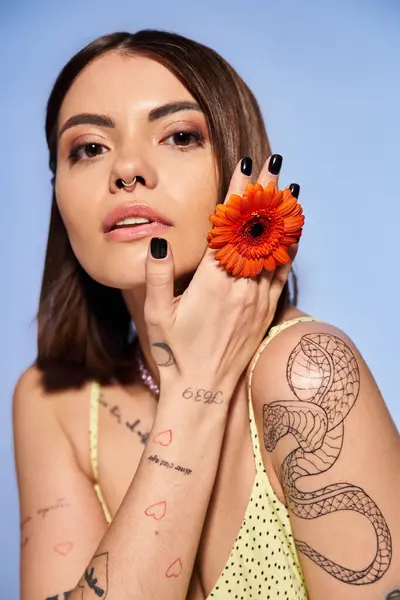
(86, 151)
(184, 139)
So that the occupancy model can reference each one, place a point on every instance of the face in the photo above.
(127, 117)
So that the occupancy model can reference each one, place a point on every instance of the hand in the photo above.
(211, 331)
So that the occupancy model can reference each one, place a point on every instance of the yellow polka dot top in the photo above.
(263, 563)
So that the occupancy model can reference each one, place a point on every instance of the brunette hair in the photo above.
(83, 326)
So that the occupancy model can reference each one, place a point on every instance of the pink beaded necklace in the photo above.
(145, 374)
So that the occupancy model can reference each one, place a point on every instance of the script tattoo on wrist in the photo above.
(95, 577)
(324, 378)
(202, 395)
(167, 359)
(155, 459)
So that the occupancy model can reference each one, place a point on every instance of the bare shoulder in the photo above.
(29, 391)
(336, 451)
(319, 346)
(66, 411)
(30, 403)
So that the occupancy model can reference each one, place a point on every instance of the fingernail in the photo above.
(294, 189)
(275, 164)
(158, 247)
(246, 166)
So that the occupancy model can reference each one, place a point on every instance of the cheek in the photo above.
(78, 215)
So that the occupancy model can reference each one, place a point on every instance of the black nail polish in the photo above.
(158, 247)
(246, 166)
(275, 164)
(294, 189)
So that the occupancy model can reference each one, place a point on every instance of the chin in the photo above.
(127, 270)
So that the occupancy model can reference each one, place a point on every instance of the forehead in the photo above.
(119, 84)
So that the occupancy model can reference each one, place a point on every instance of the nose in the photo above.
(131, 169)
(122, 184)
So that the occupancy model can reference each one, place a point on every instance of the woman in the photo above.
(236, 479)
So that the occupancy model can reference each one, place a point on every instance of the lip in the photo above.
(136, 232)
(129, 211)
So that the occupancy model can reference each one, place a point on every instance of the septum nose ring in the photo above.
(121, 183)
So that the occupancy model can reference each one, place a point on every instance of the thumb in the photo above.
(159, 288)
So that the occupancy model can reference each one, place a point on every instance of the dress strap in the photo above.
(95, 394)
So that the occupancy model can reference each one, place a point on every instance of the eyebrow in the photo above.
(171, 108)
(103, 121)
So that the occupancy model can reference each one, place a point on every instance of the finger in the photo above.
(240, 178)
(281, 275)
(270, 170)
(292, 251)
(294, 189)
(159, 286)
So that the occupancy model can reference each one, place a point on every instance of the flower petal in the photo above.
(281, 256)
(234, 202)
(286, 207)
(293, 224)
(269, 263)
(224, 252)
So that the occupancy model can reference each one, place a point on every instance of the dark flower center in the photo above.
(257, 229)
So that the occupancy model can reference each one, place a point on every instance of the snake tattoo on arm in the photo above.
(323, 374)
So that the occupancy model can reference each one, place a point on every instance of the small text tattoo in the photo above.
(63, 596)
(168, 465)
(24, 538)
(204, 396)
(157, 511)
(167, 358)
(24, 542)
(60, 504)
(115, 412)
(25, 522)
(175, 569)
(95, 577)
(164, 438)
(41, 512)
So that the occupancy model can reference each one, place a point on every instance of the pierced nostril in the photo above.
(138, 179)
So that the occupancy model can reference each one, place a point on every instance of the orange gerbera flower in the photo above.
(255, 231)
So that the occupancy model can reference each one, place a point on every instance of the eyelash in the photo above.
(196, 137)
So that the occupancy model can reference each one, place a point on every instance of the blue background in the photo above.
(327, 78)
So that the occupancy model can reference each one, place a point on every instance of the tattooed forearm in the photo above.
(168, 465)
(204, 396)
(42, 512)
(63, 596)
(166, 355)
(324, 377)
(95, 577)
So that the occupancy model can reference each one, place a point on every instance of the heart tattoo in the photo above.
(63, 548)
(175, 569)
(157, 511)
(164, 438)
